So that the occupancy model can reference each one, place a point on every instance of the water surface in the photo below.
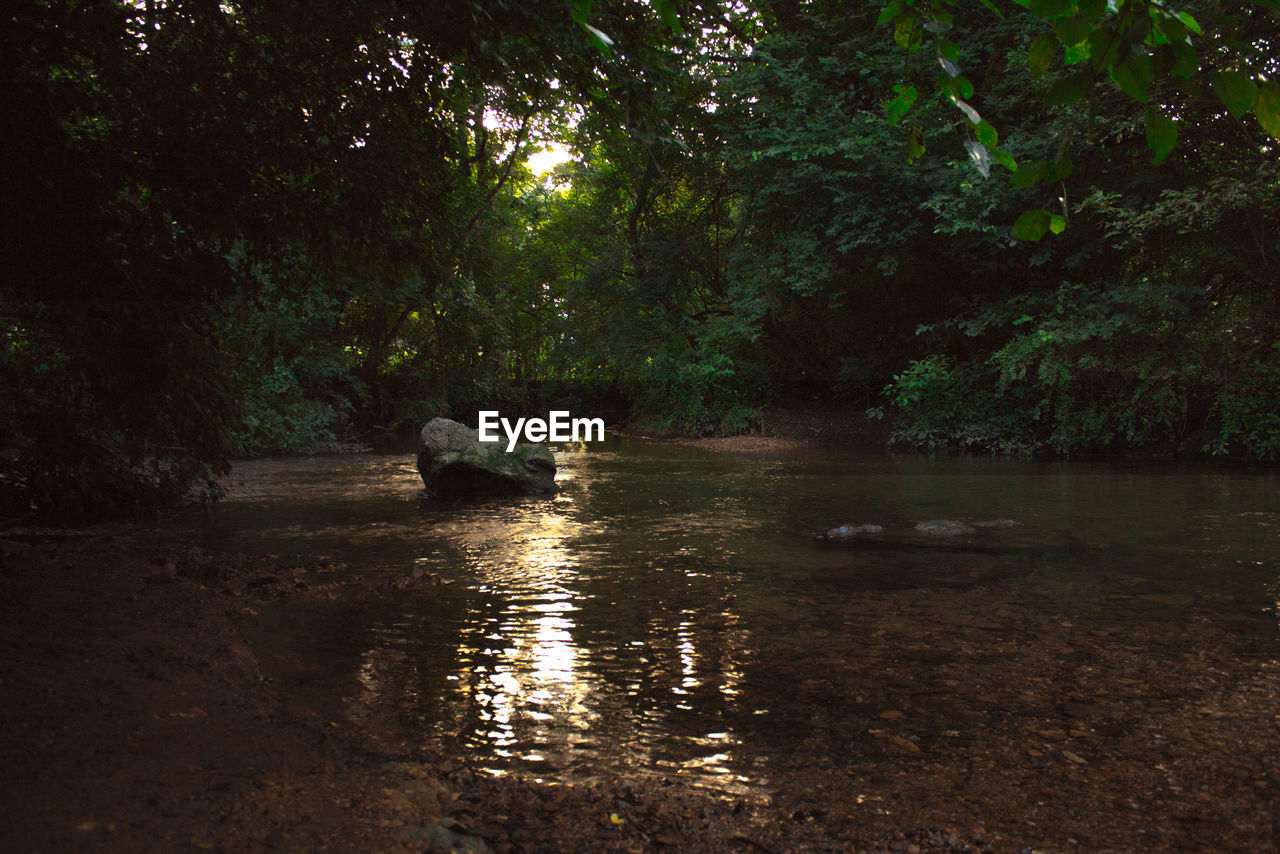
(669, 612)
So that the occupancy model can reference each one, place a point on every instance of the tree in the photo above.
(1162, 57)
(167, 160)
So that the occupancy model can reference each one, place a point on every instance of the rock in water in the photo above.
(848, 531)
(943, 528)
(454, 462)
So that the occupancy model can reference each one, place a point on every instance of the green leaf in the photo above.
(1190, 23)
(1091, 10)
(1076, 53)
(1003, 158)
(667, 10)
(1170, 27)
(1072, 31)
(1186, 61)
(1134, 76)
(1162, 135)
(906, 95)
(1060, 168)
(891, 11)
(1049, 8)
(1069, 89)
(1057, 224)
(1028, 174)
(1032, 225)
(905, 32)
(1235, 90)
(1162, 59)
(915, 146)
(949, 49)
(1136, 35)
(986, 134)
(1266, 108)
(1040, 54)
(1104, 47)
(992, 7)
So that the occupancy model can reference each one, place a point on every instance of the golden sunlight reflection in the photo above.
(547, 664)
(528, 674)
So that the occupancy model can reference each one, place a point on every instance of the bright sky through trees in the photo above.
(555, 153)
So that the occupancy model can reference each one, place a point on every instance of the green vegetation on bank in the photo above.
(248, 227)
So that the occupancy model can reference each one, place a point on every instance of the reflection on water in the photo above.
(638, 619)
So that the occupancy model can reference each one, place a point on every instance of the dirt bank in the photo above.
(789, 429)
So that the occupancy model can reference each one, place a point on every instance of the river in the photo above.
(670, 613)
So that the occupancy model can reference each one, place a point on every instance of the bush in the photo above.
(1135, 367)
(698, 392)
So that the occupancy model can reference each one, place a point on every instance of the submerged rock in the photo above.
(934, 533)
(454, 462)
(849, 531)
(943, 528)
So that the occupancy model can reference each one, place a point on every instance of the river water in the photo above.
(669, 611)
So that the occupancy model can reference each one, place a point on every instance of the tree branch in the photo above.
(507, 165)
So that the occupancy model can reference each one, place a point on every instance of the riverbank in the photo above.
(136, 719)
(786, 430)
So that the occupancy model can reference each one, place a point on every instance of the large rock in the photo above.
(454, 462)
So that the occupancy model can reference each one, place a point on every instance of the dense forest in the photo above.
(240, 227)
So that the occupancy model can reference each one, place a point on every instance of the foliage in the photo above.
(296, 382)
(1246, 414)
(700, 392)
(1140, 366)
(1136, 327)
(1155, 54)
(161, 158)
(245, 227)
